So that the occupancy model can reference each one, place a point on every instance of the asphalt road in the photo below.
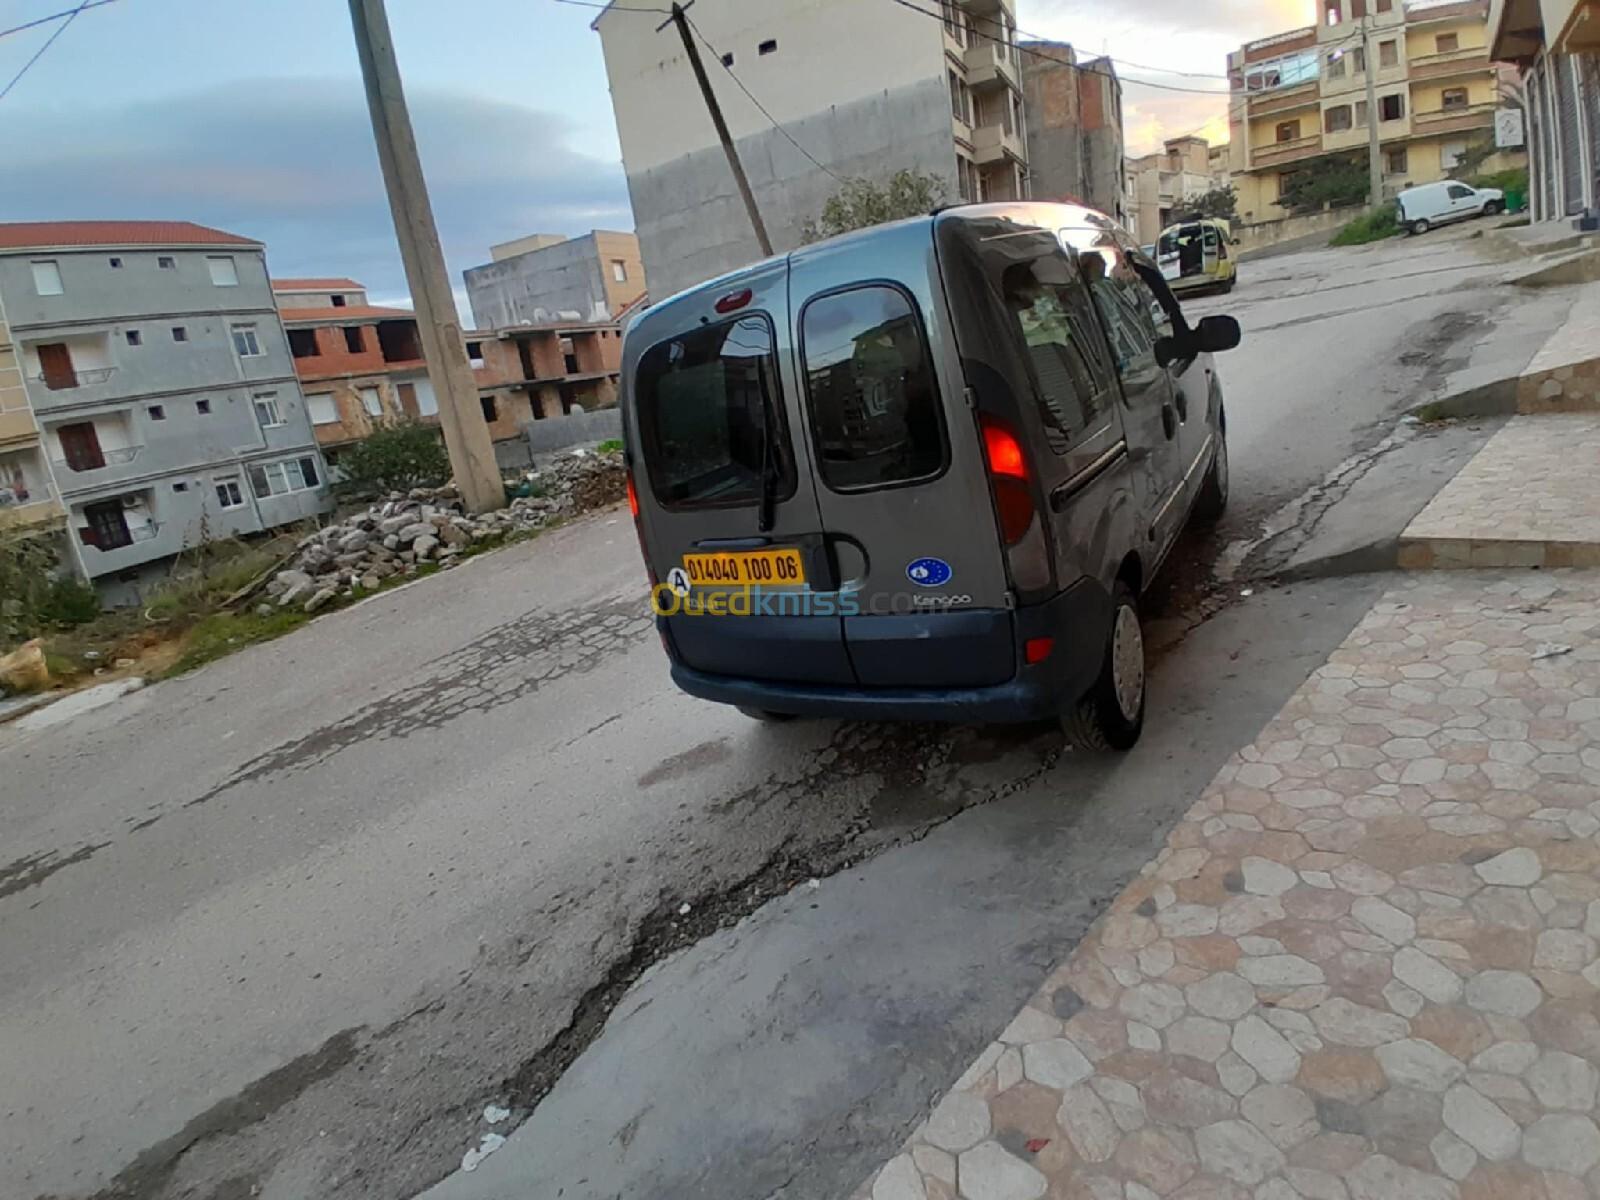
(283, 927)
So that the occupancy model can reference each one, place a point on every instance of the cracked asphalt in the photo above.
(283, 927)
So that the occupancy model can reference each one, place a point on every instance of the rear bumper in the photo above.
(1078, 619)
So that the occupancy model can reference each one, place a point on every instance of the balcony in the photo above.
(1282, 100)
(996, 143)
(1455, 120)
(1471, 61)
(990, 64)
(77, 378)
(1293, 150)
(110, 458)
(26, 498)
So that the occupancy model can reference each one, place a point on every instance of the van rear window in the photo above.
(704, 400)
(873, 401)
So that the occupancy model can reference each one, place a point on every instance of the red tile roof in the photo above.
(350, 312)
(20, 235)
(317, 285)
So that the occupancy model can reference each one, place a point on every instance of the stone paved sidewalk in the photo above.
(1529, 498)
(1364, 967)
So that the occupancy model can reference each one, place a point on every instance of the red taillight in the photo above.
(734, 301)
(633, 499)
(1008, 472)
(638, 529)
(1036, 650)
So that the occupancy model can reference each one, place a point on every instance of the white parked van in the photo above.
(1421, 208)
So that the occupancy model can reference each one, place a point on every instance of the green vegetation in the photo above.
(861, 203)
(609, 446)
(1221, 203)
(36, 596)
(1374, 226)
(221, 633)
(1334, 180)
(1514, 179)
(395, 457)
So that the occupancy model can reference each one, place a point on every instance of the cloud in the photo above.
(292, 163)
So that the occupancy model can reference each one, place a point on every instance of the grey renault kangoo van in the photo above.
(924, 471)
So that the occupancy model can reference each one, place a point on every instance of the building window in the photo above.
(1392, 108)
(181, 486)
(352, 339)
(165, 262)
(338, 301)
(727, 60)
(268, 415)
(157, 412)
(960, 99)
(203, 407)
(619, 270)
(1388, 54)
(1335, 14)
(475, 353)
(223, 271)
(371, 401)
(1286, 182)
(1335, 68)
(1336, 119)
(180, 333)
(1385, 6)
(47, 278)
(1451, 153)
(1288, 131)
(1394, 161)
(108, 526)
(303, 343)
(322, 408)
(280, 478)
(1455, 97)
(116, 263)
(491, 410)
(135, 338)
(245, 342)
(1361, 114)
(770, 46)
(229, 494)
(1446, 43)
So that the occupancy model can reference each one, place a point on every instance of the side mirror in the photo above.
(1215, 334)
(1210, 336)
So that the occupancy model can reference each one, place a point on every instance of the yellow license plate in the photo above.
(746, 568)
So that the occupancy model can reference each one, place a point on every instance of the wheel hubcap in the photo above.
(1127, 662)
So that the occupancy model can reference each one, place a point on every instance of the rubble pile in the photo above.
(399, 534)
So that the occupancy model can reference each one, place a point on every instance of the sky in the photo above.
(249, 115)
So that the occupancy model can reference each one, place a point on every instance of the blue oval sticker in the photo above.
(929, 572)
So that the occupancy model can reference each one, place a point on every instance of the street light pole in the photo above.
(466, 433)
(1374, 153)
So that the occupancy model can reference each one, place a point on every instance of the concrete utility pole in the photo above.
(1374, 152)
(734, 165)
(466, 434)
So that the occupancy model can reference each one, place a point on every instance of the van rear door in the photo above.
(726, 491)
(901, 484)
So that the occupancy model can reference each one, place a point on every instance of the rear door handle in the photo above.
(1169, 421)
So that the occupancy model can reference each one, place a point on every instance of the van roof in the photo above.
(889, 229)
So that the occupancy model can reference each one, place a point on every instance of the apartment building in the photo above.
(159, 376)
(1555, 47)
(29, 504)
(1074, 122)
(533, 372)
(1159, 183)
(1302, 95)
(360, 365)
(547, 277)
(866, 89)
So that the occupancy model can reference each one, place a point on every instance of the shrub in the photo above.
(860, 203)
(1374, 226)
(609, 446)
(396, 457)
(1513, 180)
(34, 595)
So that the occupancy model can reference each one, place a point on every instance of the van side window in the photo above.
(1073, 379)
(873, 402)
(704, 399)
(1133, 315)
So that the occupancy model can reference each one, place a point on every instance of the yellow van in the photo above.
(1194, 255)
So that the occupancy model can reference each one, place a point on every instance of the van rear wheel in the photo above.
(1111, 716)
(1421, 225)
(1210, 504)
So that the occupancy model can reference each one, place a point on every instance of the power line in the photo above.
(818, 163)
(48, 42)
(71, 12)
(613, 7)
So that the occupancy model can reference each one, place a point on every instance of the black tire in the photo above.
(766, 716)
(1494, 208)
(1099, 721)
(1212, 501)
(1421, 226)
